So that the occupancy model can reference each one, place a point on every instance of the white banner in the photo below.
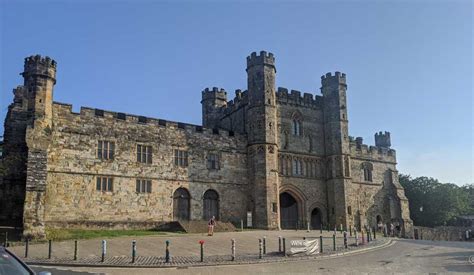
(304, 247)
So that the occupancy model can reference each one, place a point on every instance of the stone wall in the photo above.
(441, 233)
(73, 166)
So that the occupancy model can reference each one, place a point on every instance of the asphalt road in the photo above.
(403, 257)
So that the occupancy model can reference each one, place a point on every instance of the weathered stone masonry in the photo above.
(285, 158)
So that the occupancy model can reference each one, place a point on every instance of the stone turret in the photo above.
(333, 88)
(382, 139)
(213, 100)
(262, 139)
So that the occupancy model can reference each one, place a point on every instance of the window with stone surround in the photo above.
(144, 154)
(213, 161)
(181, 158)
(105, 149)
(143, 186)
(367, 168)
(296, 127)
(105, 184)
(297, 167)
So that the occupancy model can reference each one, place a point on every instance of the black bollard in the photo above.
(5, 243)
(260, 248)
(284, 247)
(321, 244)
(375, 233)
(264, 245)
(75, 250)
(104, 250)
(202, 250)
(334, 241)
(350, 231)
(167, 251)
(279, 243)
(49, 249)
(345, 239)
(233, 250)
(27, 244)
(368, 236)
(134, 250)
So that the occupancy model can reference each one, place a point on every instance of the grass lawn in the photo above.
(68, 234)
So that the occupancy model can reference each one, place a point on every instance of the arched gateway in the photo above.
(288, 211)
(316, 218)
(181, 204)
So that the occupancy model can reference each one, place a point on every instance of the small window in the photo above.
(181, 125)
(296, 127)
(105, 184)
(274, 207)
(143, 186)
(105, 149)
(213, 162)
(297, 167)
(367, 170)
(333, 211)
(181, 158)
(349, 210)
(144, 154)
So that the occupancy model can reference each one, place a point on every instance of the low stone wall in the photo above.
(442, 233)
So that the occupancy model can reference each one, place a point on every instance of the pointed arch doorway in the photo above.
(181, 205)
(316, 219)
(288, 211)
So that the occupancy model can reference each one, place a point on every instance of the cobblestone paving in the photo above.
(184, 249)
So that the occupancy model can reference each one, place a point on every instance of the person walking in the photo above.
(210, 226)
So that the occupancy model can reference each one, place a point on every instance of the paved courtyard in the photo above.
(181, 245)
(402, 257)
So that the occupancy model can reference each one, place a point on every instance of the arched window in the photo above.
(296, 127)
(367, 168)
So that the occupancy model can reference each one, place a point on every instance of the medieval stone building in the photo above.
(270, 157)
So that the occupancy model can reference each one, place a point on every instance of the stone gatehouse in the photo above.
(281, 157)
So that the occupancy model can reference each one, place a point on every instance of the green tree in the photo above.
(433, 203)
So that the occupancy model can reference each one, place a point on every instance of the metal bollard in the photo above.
(233, 250)
(375, 233)
(368, 236)
(167, 251)
(104, 250)
(321, 244)
(307, 223)
(345, 239)
(284, 247)
(260, 248)
(241, 225)
(264, 245)
(50, 249)
(134, 250)
(27, 244)
(356, 238)
(201, 242)
(350, 231)
(279, 243)
(5, 243)
(334, 242)
(75, 250)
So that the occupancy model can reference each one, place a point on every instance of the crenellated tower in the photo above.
(39, 80)
(213, 100)
(333, 88)
(262, 140)
(382, 139)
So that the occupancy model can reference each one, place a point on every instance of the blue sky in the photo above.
(409, 63)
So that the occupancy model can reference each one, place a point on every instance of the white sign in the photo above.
(304, 247)
(249, 219)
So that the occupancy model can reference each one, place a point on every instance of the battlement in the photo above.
(240, 99)
(214, 93)
(87, 113)
(382, 139)
(263, 59)
(358, 149)
(295, 98)
(328, 79)
(36, 65)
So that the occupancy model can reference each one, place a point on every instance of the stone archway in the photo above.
(288, 211)
(210, 205)
(181, 205)
(316, 218)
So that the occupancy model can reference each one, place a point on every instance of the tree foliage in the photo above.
(433, 203)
